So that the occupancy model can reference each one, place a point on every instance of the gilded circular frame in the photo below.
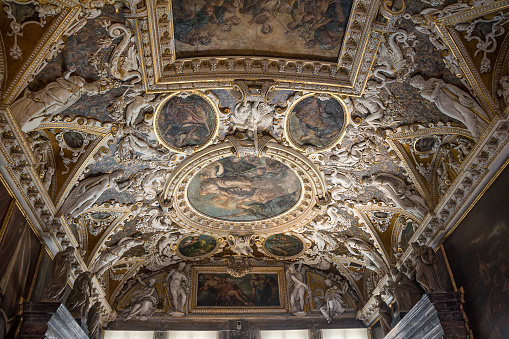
(305, 247)
(196, 148)
(340, 135)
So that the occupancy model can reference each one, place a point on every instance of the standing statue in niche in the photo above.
(372, 260)
(453, 102)
(426, 268)
(332, 304)
(144, 301)
(298, 289)
(61, 268)
(113, 254)
(401, 194)
(93, 320)
(88, 192)
(33, 107)
(178, 284)
(404, 290)
(79, 299)
(385, 314)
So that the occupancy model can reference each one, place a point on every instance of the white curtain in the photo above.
(284, 334)
(128, 334)
(344, 333)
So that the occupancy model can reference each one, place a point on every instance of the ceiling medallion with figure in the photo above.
(237, 187)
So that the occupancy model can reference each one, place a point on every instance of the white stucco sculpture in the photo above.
(372, 259)
(453, 102)
(178, 284)
(144, 301)
(298, 288)
(112, 254)
(332, 303)
(88, 192)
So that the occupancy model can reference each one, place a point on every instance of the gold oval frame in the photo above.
(305, 247)
(340, 136)
(434, 148)
(196, 148)
(204, 256)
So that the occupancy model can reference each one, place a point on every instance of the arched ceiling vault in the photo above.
(329, 133)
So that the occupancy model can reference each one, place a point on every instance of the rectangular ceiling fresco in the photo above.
(306, 29)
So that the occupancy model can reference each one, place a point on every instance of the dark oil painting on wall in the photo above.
(19, 253)
(479, 258)
(183, 121)
(197, 245)
(247, 188)
(215, 289)
(284, 245)
(310, 29)
(316, 121)
(5, 201)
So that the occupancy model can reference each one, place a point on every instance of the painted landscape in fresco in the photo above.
(183, 122)
(247, 188)
(197, 245)
(316, 122)
(251, 290)
(479, 258)
(311, 29)
(284, 245)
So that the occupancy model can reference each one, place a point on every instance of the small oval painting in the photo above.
(73, 139)
(316, 121)
(196, 245)
(244, 189)
(188, 121)
(425, 145)
(100, 215)
(381, 215)
(284, 245)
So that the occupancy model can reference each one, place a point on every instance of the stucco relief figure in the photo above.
(240, 244)
(401, 194)
(372, 260)
(88, 192)
(252, 116)
(179, 286)
(404, 290)
(350, 156)
(370, 105)
(112, 254)
(93, 320)
(453, 102)
(426, 268)
(61, 268)
(298, 288)
(144, 301)
(385, 314)
(33, 107)
(79, 299)
(332, 303)
(138, 104)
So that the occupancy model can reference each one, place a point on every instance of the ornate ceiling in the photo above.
(252, 133)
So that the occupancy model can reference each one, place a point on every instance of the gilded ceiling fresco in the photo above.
(220, 149)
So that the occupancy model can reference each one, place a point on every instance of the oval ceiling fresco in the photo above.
(316, 121)
(284, 245)
(194, 246)
(244, 189)
(186, 121)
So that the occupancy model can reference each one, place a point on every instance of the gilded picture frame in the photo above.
(215, 291)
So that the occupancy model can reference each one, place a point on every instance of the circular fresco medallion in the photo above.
(183, 121)
(194, 246)
(425, 145)
(244, 189)
(73, 139)
(283, 245)
(316, 121)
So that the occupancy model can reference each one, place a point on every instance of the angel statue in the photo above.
(332, 303)
(178, 284)
(298, 289)
(144, 301)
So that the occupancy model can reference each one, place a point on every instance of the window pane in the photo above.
(284, 334)
(345, 333)
(128, 334)
(192, 334)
